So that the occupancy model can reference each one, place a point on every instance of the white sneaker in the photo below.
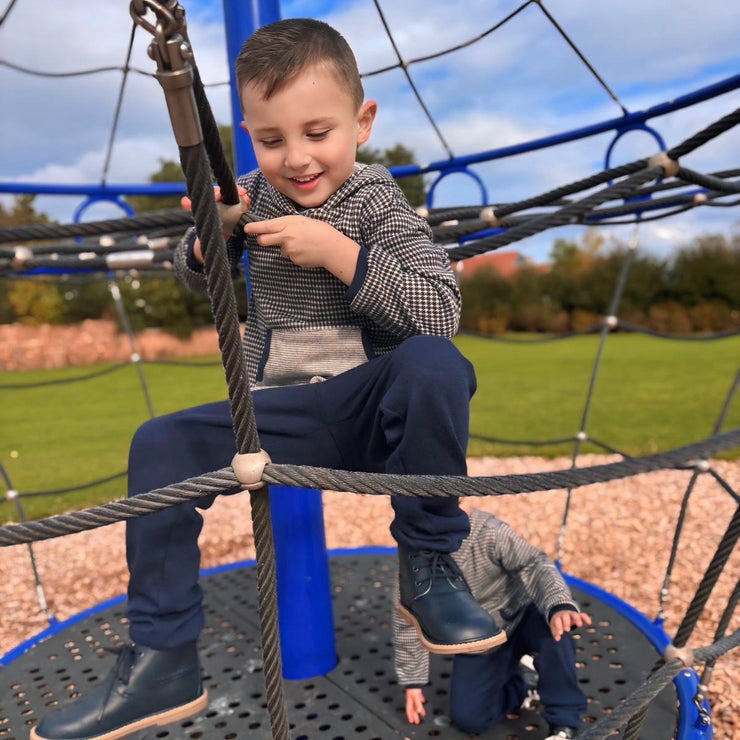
(562, 733)
(530, 676)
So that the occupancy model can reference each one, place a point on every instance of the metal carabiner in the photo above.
(171, 51)
(170, 21)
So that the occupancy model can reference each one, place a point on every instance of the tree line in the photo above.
(695, 290)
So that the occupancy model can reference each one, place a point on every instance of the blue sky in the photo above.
(521, 82)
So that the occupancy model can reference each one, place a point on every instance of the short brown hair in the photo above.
(274, 54)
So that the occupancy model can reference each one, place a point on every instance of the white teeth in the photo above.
(305, 179)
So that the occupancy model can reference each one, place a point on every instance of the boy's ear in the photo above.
(244, 126)
(365, 120)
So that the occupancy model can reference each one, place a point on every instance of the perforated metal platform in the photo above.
(358, 700)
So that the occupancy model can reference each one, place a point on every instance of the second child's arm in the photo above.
(415, 701)
(566, 620)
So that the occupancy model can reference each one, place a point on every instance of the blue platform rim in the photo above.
(686, 682)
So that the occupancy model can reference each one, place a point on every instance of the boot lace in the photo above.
(430, 565)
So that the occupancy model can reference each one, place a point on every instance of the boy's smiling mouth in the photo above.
(306, 183)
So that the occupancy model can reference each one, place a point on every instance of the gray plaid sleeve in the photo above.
(409, 287)
(410, 658)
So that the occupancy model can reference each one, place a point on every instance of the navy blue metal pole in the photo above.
(303, 587)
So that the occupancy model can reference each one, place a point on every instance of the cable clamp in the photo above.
(661, 159)
(489, 216)
(248, 468)
(21, 255)
(684, 654)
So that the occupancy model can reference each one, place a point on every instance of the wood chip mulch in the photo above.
(619, 536)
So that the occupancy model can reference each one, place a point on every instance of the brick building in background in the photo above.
(505, 263)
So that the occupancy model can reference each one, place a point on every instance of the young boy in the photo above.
(348, 350)
(523, 588)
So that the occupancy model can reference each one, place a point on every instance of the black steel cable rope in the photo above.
(556, 197)
(131, 243)
(445, 233)
(115, 292)
(223, 302)
(115, 260)
(7, 11)
(568, 214)
(457, 47)
(119, 104)
(706, 134)
(663, 596)
(728, 400)
(724, 484)
(581, 56)
(78, 73)
(582, 436)
(71, 489)
(707, 181)
(701, 137)
(196, 167)
(722, 625)
(63, 381)
(144, 221)
(639, 699)
(220, 167)
(404, 68)
(724, 550)
(578, 186)
(621, 325)
(384, 484)
(695, 608)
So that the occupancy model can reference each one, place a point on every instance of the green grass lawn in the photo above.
(650, 395)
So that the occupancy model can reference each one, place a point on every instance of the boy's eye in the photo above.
(271, 142)
(318, 135)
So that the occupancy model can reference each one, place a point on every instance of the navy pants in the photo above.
(485, 687)
(403, 412)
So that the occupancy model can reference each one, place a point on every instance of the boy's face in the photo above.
(306, 135)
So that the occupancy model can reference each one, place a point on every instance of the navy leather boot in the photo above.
(436, 600)
(145, 688)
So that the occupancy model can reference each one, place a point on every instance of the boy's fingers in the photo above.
(270, 226)
(186, 203)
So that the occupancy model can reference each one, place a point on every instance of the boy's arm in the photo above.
(403, 281)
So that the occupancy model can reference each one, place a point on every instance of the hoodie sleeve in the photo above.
(410, 658)
(404, 281)
(535, 570)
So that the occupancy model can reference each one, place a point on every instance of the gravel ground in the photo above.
(619, 536)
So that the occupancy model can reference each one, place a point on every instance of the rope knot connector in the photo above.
(661, 159)
(684, 654)
(488, 215)
(21, 255)
(248, 467)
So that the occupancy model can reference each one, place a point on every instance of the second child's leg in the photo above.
(564, 703)
(485, 688)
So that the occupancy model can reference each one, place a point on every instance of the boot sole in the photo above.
(153, 720)
(478, 646)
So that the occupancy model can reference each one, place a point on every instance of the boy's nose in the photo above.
(296, 157)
